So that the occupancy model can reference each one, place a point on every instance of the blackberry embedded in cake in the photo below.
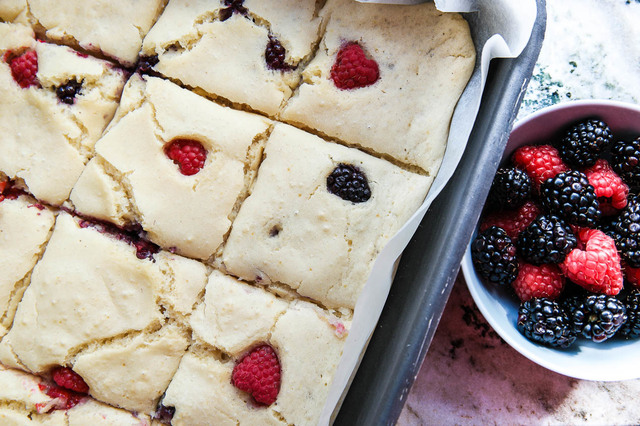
(291, 196)
(47, 140)
(247, 52)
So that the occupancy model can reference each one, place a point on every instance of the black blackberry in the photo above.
(164, 414)
(583, 143)
(275, 54)
(545, 321)
(570, 196)
(571, 302)
(548, 239)
(597, 317)
(67, 92)
(625, 161)
(607, 224)
(146, 63)
(626, 232)
(494, 256)
(631, 328)
(234, 6)
(511, 188)
(349, 183)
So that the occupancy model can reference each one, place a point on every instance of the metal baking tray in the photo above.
(430, 263)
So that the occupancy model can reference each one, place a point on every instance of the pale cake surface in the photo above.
(25, 228)
(114, 28)
(197, 47)
(425, 58)
(45, 142)
(239, 318)
(132, 163)
(153, 285)
(94, 305)
(292, 230)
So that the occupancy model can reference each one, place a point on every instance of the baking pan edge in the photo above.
(431, 261)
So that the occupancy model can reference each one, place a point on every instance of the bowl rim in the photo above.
(574, 104)
(532, 350)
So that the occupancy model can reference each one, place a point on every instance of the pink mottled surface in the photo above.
(470, 376)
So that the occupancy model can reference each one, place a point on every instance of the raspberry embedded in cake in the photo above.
(24, 69)
(258, 373)
(188, 154)
(254, 328)
(45, 142)
(69, 379)
(353, 69)
(214, 149)
(386, 79)
(9, 191)
(64, 398)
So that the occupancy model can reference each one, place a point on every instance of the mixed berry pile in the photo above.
(562, 231)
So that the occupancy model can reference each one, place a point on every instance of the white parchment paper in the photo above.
(500, 28)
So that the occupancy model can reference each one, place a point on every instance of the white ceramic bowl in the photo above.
(611, 360)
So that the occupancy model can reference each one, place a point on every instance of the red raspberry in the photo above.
(3, 186)
(353, 69)
(258, 373)
(545, 280)
(512, 221)
(609, 188)
(595, 264)
(631, 274)
(64, 399)
(190, 155)
(24, 69)
(541, 162)
(69, 379)
(8, 191)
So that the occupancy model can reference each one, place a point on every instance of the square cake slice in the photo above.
(173, 162)
(25, 227)
(15, 11)
(318, 216)
(113, 28)
(26, 399)
(93, 305)
(54, 105)
(248, 52)
(266, 359)
(387, 79)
